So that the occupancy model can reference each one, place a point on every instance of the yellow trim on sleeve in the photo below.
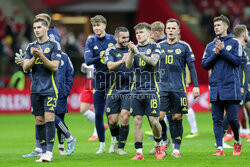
(112, 87)
(54, 85)
(183, 83)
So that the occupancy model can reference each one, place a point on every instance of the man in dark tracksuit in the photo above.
(223, 57)
(94, 54)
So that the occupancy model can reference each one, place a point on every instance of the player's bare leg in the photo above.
(138, 135)
(156, 128)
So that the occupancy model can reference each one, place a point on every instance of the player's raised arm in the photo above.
(152, 60)
(209, 59)
(50, 64)
(111, 64)
(234, 58)
(89, 55)
(30, 58)
(130, 59)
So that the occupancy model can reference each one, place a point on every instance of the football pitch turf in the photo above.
(18, 131)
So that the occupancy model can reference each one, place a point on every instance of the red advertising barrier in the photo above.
(200, 104)
(14, 101)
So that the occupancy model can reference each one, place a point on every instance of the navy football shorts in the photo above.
(174, 102)
(43, 103)
(145, 105)
(116, 102)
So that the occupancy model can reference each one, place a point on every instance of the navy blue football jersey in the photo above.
(44, 81)
(174, 58)
(121, 77)
(145, 78)
(93, 49)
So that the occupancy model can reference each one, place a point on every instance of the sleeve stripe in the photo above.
(185, 43)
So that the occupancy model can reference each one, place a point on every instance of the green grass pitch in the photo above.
(17, 138)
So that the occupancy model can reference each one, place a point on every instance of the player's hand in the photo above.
(19, 57)
(33, 52)
(131, 46)
(216, 51)
(39, 51)
(242, 91)
(219, 45)
(196, 92)
(124, 58)
(19, 62)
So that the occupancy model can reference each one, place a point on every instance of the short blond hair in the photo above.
(44, 16)
(239, 29)
(98, 19)
(157, 26)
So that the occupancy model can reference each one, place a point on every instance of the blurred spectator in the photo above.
(206, 20)
(2, 26)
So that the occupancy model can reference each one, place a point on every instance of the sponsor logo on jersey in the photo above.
(184, 109)
(178, 138)
(110, 44)
(148, 51)
(118, 55)
(229, 47)
(170, 51)
(96, 47)
(46, 50)
(177, 51)
(153, 112)
(58, 55)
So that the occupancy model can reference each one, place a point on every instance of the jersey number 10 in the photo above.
(169, 59)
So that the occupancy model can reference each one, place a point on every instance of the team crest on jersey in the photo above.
(118, 55)
(108, 109)
(170, 51)
(162, 51)
(148, 51)
(229, 47)
(110, 44)
(62, 62)
(96, 47)
(177, 51)
(46, 50)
